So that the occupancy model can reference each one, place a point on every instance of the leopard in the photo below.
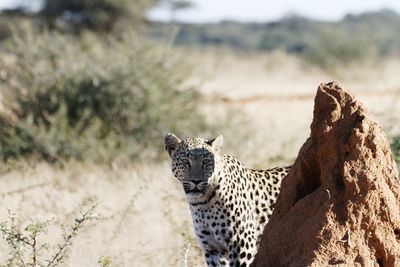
(230, 204)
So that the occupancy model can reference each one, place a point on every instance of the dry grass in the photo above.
(144, 217)
(276, 91)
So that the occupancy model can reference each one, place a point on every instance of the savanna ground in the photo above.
(142, 218)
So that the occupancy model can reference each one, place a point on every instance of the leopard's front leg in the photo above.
(214, 258)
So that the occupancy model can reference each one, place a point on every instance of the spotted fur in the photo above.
(230, 204)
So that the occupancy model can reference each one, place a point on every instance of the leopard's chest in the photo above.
(221, 218)
(213, 226)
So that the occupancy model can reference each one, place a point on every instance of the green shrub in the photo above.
(335, 49)
(396, 148)
(91, 98)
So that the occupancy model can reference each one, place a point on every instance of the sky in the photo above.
(34, 4)
(261, 10)
(6, 3)
(269, 10)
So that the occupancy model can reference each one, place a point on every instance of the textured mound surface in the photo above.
(340, 203)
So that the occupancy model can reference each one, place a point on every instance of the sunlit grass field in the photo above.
(141, 217)
(88, 89)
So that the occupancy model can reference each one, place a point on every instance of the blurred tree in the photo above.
(174, 6)
(177, 5)
(96, 14)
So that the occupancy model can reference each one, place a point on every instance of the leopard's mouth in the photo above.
(194, 192)
(195, 189)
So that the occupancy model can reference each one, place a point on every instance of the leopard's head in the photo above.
(194, 161)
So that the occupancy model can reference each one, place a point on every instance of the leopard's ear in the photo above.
(171, 143)
(216, 143)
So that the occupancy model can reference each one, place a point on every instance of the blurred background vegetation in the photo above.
(352, 40)
(89, 88)
(95, 80)
(75, 85)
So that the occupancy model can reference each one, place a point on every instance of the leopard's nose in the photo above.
(196, 182)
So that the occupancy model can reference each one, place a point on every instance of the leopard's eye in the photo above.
(206, 161)
(186, 162)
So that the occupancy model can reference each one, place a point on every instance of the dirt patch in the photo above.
(340, 203)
